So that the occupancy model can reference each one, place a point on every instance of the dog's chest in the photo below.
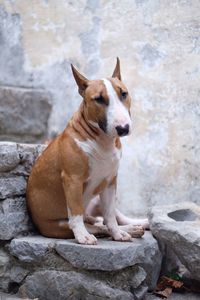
(103, 165)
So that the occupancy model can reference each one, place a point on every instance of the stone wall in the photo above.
(159, 46)
(49, 269)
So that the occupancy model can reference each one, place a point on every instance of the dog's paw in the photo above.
(134, 230)
(140, 222)
(87, 239)
(122, 236)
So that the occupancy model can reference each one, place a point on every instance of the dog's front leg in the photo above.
(108, 201)
(73, 189)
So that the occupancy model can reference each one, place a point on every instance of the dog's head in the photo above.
(106, 102)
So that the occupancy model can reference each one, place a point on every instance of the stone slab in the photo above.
(31, 248)
(24, 113)
(14, 219)
(12, 186)
(178, 226)
(107, 255)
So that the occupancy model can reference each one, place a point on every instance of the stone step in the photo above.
(107, 255)
(120, 269)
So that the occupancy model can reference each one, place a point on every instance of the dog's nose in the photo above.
(122, 131)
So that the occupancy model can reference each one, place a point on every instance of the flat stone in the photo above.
(12, 186)
(31, 109)
(31, 248)
(9, 156)
(28, 154)
(107, 255)
(178, 226)
(14, 219)
(18, 159)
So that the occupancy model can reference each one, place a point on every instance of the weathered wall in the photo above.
(159, 46)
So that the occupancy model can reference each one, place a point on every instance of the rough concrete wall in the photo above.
(159, 46)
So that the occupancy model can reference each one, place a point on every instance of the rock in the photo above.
(18, 159)
(51, 285)
(9, 156)
(31, 109)
(108, 255)
(28, 154)
(5, 296)
(12, 186)
(4, 265)
(31, 249)
(11, 274)
(14, 219)
(178, 226)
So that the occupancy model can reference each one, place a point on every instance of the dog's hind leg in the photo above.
(97, 230)
(123, 220)
(56, 229)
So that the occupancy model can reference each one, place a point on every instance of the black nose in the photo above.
(122, 131)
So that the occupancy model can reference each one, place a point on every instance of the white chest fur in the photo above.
(103, 164)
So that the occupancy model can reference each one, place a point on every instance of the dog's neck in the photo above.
(87, 129)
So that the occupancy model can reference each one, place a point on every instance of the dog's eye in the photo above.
(100, 99)
(124, 95)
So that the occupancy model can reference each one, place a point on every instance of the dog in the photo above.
(74, 180)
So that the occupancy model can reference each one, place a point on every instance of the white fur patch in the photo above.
(103, 164)
(117, 113)
(76, 224)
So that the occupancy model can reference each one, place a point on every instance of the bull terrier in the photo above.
(75, 178)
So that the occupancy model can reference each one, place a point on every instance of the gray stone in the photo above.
(14, 219)
(178, 226)
(4, 265)
(140, 292)
(9, 156)
(24, 113)
(28, 154)
(108, 255)
(10, 273)
(5, 296)
(32, 248)
(18, 159)
(51, 285)
(114, 255)
(12, 186)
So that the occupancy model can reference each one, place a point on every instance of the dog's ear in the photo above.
(81, 81)
(117, 72)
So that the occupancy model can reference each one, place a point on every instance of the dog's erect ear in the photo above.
(81, 81)
(117, 72)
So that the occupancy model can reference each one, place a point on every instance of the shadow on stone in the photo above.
(183, 215)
